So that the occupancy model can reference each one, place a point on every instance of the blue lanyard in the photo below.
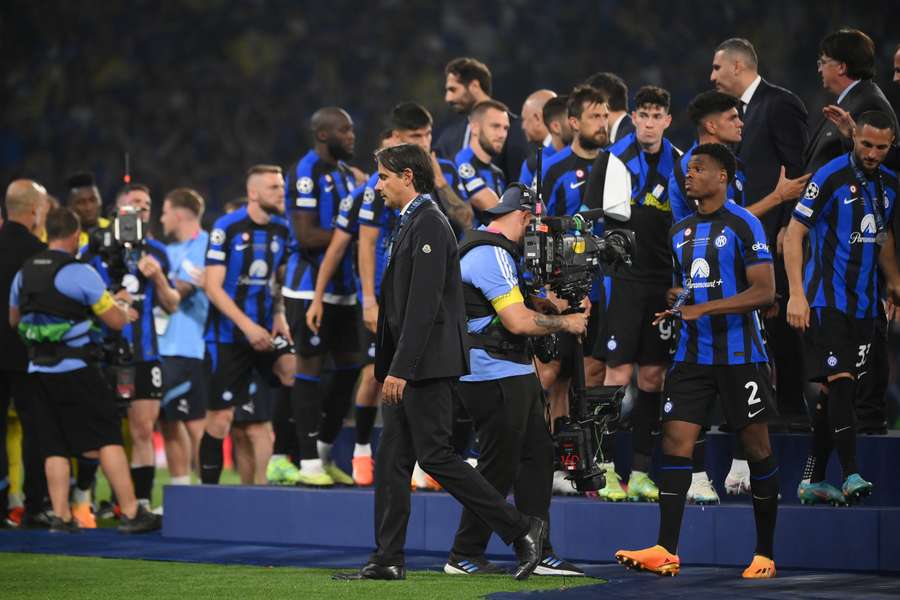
(404, 218)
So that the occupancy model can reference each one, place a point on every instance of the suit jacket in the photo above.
(775, 134)
(826, 142)
(510, 159)
(625, 127)
(422, 317)
(17, 245)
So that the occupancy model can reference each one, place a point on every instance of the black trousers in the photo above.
(16, 386)
(420, 428)
(516, 451)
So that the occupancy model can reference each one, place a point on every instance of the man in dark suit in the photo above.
(773, 136)
(615, 88)
(420, 352)
(468, 82)
(847, 65)
(26, 206)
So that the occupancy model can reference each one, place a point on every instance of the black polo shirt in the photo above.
(17, 245)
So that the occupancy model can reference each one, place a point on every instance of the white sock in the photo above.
(82, 496)
(144, 502)
(312, 466)
(698, 477)
(362, 450)
(180, 480)
(739, 467)
(324, 451)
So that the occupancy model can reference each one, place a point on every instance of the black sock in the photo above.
(842, 422)
(337, 402)
(283, 424)
(700, 453)
(143, 482)
(764, 487)
(820, 441)
(210, 459)
(674, 480)
(644, 420)
(738, 452)
(306, 404)
(365, 423)
(87, 472)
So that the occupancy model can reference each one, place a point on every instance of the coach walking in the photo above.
(420, 352)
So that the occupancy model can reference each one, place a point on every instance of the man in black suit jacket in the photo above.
(468, 82)
(847, 65)
(420, 352)
(26, 206)
(616, 90)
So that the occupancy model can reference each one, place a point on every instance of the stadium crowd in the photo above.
(763, 279)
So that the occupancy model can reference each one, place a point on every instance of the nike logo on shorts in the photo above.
(750, 415)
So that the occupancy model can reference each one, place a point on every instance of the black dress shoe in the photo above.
(373, 571)
(528, 548)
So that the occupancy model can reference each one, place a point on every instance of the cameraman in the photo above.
(52, 301)
(502, 394)
(138, 374)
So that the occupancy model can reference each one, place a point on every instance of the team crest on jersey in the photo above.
(368, 196)
(346, 204)
(721, 241)
(305, 185)
(217, 237)
(812, 191)
(699, 269)
(466, 170)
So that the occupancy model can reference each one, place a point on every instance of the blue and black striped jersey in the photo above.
(564, 180)
(475, 176)
(682, 206)
(141, 334)
(651, 213)
(711, 254)
(316, 186)
(842, 269)
(252, 255)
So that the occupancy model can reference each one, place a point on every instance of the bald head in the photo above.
(332, 130)
(532, 115)
(23, 196)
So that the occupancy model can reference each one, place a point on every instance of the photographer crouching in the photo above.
(53, 300)
(502, 393)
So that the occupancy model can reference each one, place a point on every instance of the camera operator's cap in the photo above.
(516, 197)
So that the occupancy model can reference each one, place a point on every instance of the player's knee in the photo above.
(650, 379)
(620, 375)
(677, 443)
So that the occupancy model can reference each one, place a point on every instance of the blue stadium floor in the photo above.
(695, 583)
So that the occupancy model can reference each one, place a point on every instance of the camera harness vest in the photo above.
(495, 339)
(46, 344)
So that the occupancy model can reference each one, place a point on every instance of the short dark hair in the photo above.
(467, 70)
(61, 223)
(613, 86)
(397, 159)
(853, 48)
(555, 109)
(740, 46)
(721, 154)
(485, 105)
(186, 198)
(581, 96)
(653, 95)
(132, 187)
(410, 115)
(877, 119)
(710, 102)
(80, 180)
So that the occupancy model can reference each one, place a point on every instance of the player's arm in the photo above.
(340, 240)
(459, 212)
(307, 231)
(785, 190)
(485, 199)
(167, 296)
(279, 321)
(368, 238)
(258, 337)
(759, 293)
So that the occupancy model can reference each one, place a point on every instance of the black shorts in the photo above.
(744, 391)
(836, 343)
(232, 368)
(628, 334)
(338, 331)
(185, 388)
(138, 381)
(259, 405)
(567, 341)
(368, 346)
(75, 412)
